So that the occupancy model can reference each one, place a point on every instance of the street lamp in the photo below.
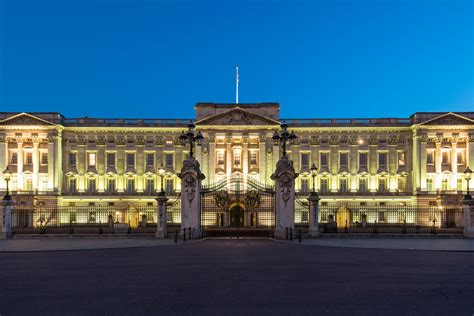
(6, 175)
(190, 138)
(314, 172)
(161, 173)
(283, 137)
(467, 176)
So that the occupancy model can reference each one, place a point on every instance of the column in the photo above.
(212, 160)
(245, 157)
(140, 167)
(454, 166)
(392, 167)
(100, 165)
(36, 164)
(334, 166)
(228, 155)
(120, 167)
(7, 209)
(470, 157)
(20, 166)
(420, 165)
(353, 159)
(262, 155)
(3, 158)
(438, 159)
(81, 164)
(161, 228)
(314, 215)
(372, 157)
(58, 162)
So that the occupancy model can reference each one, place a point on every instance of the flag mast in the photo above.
(237, 84)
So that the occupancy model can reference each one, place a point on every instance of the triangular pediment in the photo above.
(449, 118)
(24, 119)
(237, 116)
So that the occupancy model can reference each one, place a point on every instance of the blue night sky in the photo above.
(156, 59)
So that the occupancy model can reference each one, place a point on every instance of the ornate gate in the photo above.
(238, 203)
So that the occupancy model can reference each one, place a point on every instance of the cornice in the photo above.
(346, 129)
(442, 127)
(92, 129)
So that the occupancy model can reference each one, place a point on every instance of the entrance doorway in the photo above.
(236, 215)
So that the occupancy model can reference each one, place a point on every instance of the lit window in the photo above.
(343, 185)
(402, 183)
(169, 188)
(91, 185)
(401, 158)
(429, 185)
(253, 158)
(72, 185)
(445, 157)
(91, 159)
(14, 159)
(150, 185)
(362, 185)
(460, 157)
(29, 158)
(324, 187)
(111, 185)
(430, 157)
(237, 156)
(444, 185)
(131, 185)
(382, 184)
(304, 185)
(459, 184)
(220, 158)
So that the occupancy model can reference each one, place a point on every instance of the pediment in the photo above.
(24, 119)
(449, 119)
(237, 116)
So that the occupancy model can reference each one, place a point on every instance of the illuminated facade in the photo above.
(55, 160)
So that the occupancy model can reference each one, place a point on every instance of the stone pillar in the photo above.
(20, 158)
(191, 178)
(313, 215)
(468, 213)
(161, 228)
(284, 178)
(7, 217)
(36, 165)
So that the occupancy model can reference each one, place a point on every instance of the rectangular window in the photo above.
(72, 185)
(91, 185)
(150, 185)
(343, 185)
(362, 159)
(29, 159)
(169, 188)
(362, 185)
(343, 159)
(14, 159)
(253, 158)
(237, 158)
(445, 157)
(444, 185)
(304, 160)
(130, 160)
(111, 185)
(460, 157)
(429, 185)
(459, 184)
(44, 158)
(324, 186)
(324, 159)
(382, 185)
(72, 159)
(430, 157)
(169, 160)
(304, 185)
(402, 184)
(91, 159)
(220, 158)
(382, 159)
(130, 185)
(111, 159)
(150, 159)
(401, 158)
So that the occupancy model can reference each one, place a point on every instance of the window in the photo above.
(343, 159)
(459, 184)
(111, 185)
(169, 160)
(343, 185)
(150, 159)
(111, 159)
(324, 159)
(72, 185)
(14, 159)
(304, 185)
(72, 159)
(29, 184)
(304, 160)
(44, 158)
(324, 187)
(150, 185)
(220, 158)
(253, 158)
(401, 158)
(29, 159)
(402, 184)
(169, 188)
(362, 159)
(130, 160)
(130, 185)
(445, 157)
(91, 185)
(382, 159)
(91, 159)
(429, 185)
(444, 185)
(460, 157)
(363, 185)
(430, 157)
(382, 185)
(237, 156)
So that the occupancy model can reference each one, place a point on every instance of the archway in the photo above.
(236, 215)
(343, 216)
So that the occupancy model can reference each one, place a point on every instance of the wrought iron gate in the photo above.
(238, 202)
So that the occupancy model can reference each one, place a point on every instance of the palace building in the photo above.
(59, 161)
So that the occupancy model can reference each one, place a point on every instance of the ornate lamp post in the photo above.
(161, 173)
(467, 176)
(7, 176)
(283, 137)
(190, 138)
(314, 172)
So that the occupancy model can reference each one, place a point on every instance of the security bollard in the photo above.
(299, 234)
(286, 233)
(184, 234)
(190, 236)
(291, 233)
(175, 235)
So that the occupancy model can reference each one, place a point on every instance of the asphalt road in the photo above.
(237, 277)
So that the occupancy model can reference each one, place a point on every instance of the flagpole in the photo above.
(237, 84)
